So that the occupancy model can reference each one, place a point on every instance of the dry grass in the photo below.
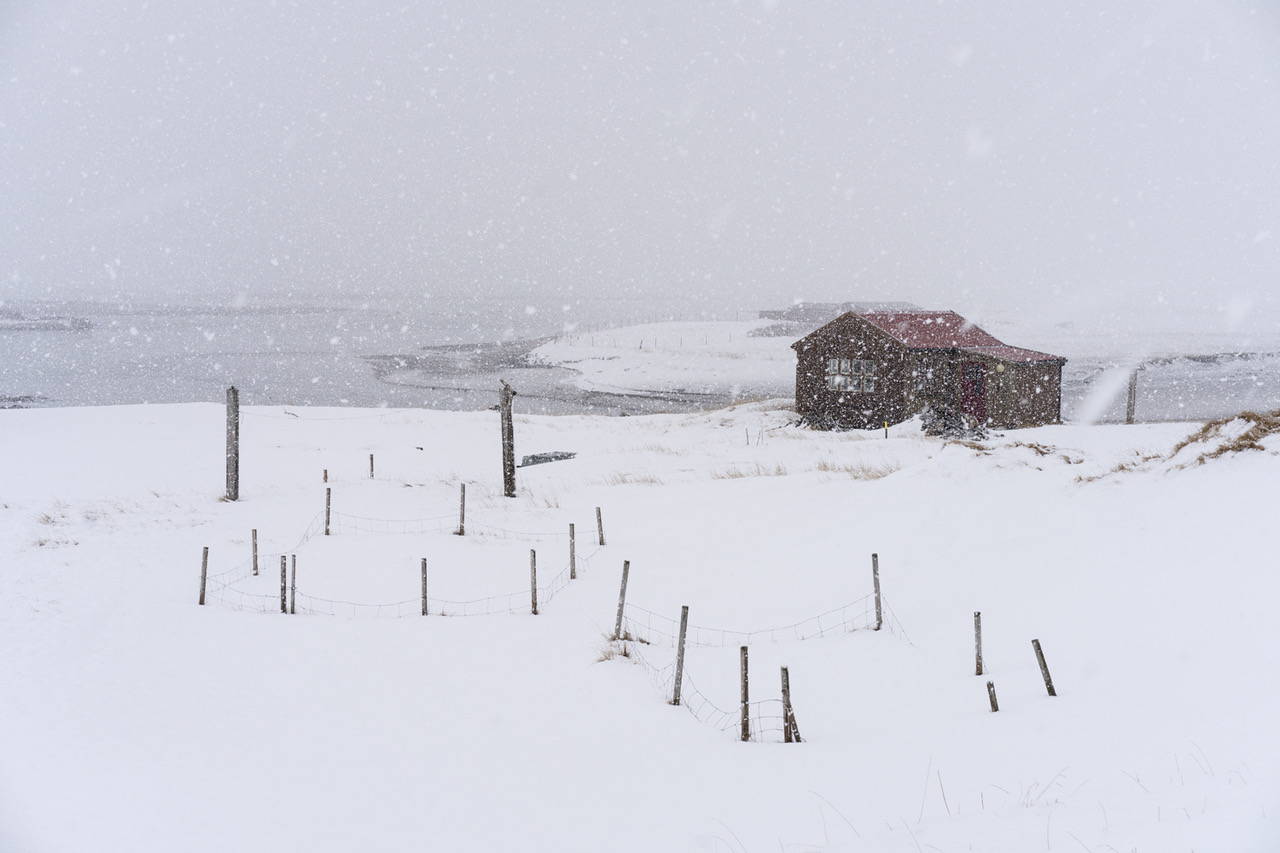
(736, 473)
(1262, 425)
(623, 478)
(856, 471)
(980, 449)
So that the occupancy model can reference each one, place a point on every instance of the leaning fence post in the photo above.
(573, 555)
(533, 580)
(328, 503)
(204, 572)
(233, 444)
(622, 600)
(462, 510)
(424, 586)
(991, 695)
(284, 578)
(746, 710)
(875, 581)
(254, 536)
(293, 585)
(599, 525)
(684, 627)
(1044, 668)
(790, 731)
(977, 642)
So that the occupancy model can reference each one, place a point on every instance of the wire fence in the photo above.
(655, 628)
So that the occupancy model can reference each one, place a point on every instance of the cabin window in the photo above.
(851, 374)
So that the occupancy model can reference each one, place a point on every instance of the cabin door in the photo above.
(973, 390)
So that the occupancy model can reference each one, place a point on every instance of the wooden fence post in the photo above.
(599, 526)
(991, 695)
(533, 581)
(233, 444)
(1044, 668)
(505, 396)
(293, 585)
(573, 554)
(462, 510)
(1131, 402)
(745, 715)
(977, 642)
(284, 583)
(622, 600)
(875, 581)
(325, 476)
(204, 572)
(790, 730)
(684, 627)
(425, 609)
(370, 466)
(328, 503)
(253, 535)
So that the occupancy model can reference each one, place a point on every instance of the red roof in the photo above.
(930, 329)
(1005, 352)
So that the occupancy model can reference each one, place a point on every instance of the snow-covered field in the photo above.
(133, 719)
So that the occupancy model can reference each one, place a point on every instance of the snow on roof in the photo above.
(930, 329)
(1004, 352)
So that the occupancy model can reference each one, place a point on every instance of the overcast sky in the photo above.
(659, 153)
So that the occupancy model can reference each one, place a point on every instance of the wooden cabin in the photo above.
(865, 369)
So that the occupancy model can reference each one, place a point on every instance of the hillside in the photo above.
(136, 719)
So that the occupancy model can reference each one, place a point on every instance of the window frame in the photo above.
(851, 375)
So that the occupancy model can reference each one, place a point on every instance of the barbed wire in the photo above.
(854, 616)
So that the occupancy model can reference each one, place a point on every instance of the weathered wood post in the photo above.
(745, 713)
(573, 554)
(991, 695)
(233, 444)
(325, 475)
(293, 585)
(204, 572)
(425, 609)
(1044, 668)
(684, 628)
(599, 526)
(370, 466)
(284, 584)
(875, 582)
(328, 505)
(977, 642)
(505, 396)
(790, 730)
(622, 600)
(1131, 402)
(462, 510)
(533, 581)
(253, 536)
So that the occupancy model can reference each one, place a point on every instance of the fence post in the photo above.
(328, 503)
(462, 509)
(790, 731)
(533, 580)
(1131, 402)
(253, 535)
(293, 585)
(573, 554)
(991, 695)
(233, 444)
(284, 578)
(326, 475)
(505, 396)
(746, 710)
(204, 572)
(977, 642)
(599, 526)
(425, 609)
(622, 600)
(1044, 668)
(875, 581)
(684, 627)
(370, 466)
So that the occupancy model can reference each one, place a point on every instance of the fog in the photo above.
(581, 158)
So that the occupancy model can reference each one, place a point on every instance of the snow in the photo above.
(135, 719)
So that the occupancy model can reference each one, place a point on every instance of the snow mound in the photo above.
(1245, 431)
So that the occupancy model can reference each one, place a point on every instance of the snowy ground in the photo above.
(134, 719)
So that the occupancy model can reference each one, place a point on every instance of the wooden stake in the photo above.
(233, 444)
(684, 627)
(1131, 402)
(599, 526)
(622, 600)
(875, 581)
(790, 730)
(370, 466)
(991, 694)
(284, 579)
(204, 572)
(1044, 668)
(573, 554)
(293, 585)
(425, 609)
(328, 504)
(977, 642)
(746, 710)
(533, 581)
(462, 510)
(253, 535)
(505, 396)
(326, 475)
